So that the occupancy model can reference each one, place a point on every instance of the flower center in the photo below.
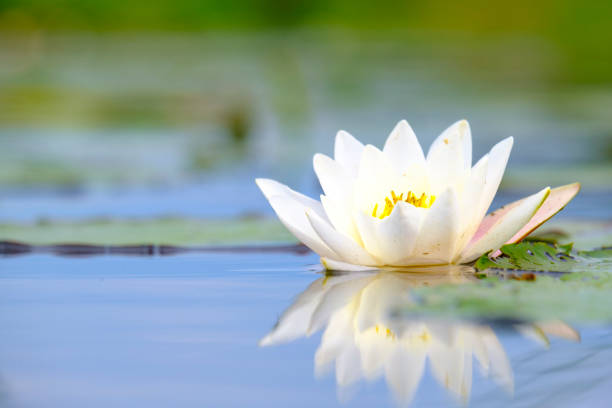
(424, 201)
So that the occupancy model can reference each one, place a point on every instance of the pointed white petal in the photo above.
(392, 239)
(368, 231)
(438, 235)
(498, 158)
(450, 156)
(348, 250)
(375, 180)
(293, 216)
(470, 211)
(272, 188)
(334, 179)
(402, 148)
(347, 151)
(505, 227)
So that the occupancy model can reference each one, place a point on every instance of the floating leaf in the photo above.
(544, 256)
(170, 231)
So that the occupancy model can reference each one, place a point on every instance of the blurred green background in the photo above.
(113, 94)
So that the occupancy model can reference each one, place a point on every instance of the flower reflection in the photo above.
(365, 340)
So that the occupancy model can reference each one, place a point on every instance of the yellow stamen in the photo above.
(423, 201)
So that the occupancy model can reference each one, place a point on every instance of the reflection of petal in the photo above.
(452, 367)
(362, 338)
(559, 329)
(335, 299)
(294, 321)
(403, 370)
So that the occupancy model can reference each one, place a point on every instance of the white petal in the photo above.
(375, 181)
(272, 188)
(398, 233)
(341, 219)
(470, 210)
(293, 215)
(367, 228)
(402, 148)
(391, 239)
(332, 265)
(450, 156)
(348, 250)
(436, 243)
(333, 177)
(505, 227)
(498, 158)
(457, 132)
(347, 151)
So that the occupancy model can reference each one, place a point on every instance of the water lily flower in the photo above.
(364, 339)
(399, 207)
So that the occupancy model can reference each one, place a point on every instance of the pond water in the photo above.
(184, 331)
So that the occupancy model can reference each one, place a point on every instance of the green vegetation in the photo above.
(547, 257)
(167, 231)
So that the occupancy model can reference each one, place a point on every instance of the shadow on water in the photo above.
(365, 338)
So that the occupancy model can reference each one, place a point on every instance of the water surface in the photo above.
(184, 331)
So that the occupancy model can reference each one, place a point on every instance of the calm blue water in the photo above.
(183, 331)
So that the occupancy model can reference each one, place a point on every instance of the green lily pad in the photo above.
(167, 231)
(548, 257)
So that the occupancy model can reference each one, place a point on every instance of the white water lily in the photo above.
(364, 339)
(400, 207)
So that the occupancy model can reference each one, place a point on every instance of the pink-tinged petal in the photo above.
(557, 200)
(497, 232)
